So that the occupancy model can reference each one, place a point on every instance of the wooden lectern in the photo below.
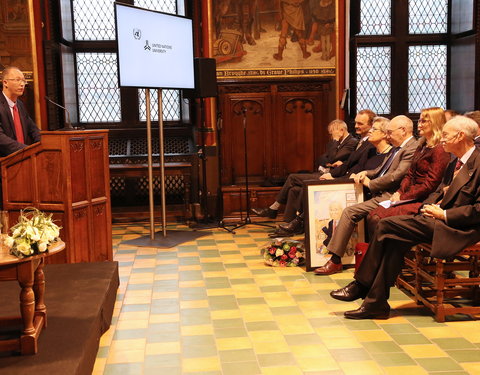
(65, 174)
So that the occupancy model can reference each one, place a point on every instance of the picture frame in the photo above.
(274, 39)
(324, 202)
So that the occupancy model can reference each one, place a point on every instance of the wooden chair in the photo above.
(445, 286)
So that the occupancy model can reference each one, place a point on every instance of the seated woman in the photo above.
(371, 159)
(425, 174)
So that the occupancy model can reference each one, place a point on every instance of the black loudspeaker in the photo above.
(355, 24)
(205, 70)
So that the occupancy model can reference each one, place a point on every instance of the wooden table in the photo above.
(29, 273)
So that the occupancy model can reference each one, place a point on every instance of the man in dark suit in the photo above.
(17, 129)
(339, 149)
(382, 183)
(449, 219)
(475, 115)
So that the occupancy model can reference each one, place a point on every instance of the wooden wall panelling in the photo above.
(258, 112)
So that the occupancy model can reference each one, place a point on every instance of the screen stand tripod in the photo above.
(242, 107)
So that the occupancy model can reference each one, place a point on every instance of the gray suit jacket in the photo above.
(390, 181)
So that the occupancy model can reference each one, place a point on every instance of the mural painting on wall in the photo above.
(274, 38)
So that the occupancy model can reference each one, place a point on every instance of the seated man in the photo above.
(382, 183)
(363, 123)
(338, 151)
(449, 220)
(371, 158)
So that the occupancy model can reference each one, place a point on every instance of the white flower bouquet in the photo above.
(32, 234)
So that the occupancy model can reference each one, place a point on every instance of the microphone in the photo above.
(69, 124)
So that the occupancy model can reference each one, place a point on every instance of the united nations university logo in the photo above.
(137, 34)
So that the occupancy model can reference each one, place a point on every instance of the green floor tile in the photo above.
(453, 343)
(209, 253)
(188, 261)
(262, 326)
(350, 355)
(235, 265)
(465, 355)
(394, 329)
(276, 359)
(190, 275)
(410, 339)
(241, 368)
(123, 368)
(223, 333)
(193, 294)
(392, 359)
(240, 355)
(439, 364)
(360, 325)
(212, 267)
(273, 288)
(264, 271)
(223, 302)
(242, 281)
(251, 301)
(199, 351)
(325, 322)
(128, 334)
(228, 323)
(382, 347)
(217, 282)
(163, 360)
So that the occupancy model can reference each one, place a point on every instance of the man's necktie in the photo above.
(18, 125)
(458, 165)
(359, 144)
(389, 162)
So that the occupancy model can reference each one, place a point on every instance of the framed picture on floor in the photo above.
(324, 204)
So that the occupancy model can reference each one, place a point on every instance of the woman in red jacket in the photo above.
(425, 174)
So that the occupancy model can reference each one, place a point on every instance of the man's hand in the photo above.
(395, 197)
(326, 176)
(433, 210)
(337, 163)
(359, 177)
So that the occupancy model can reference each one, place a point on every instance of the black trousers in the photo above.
(383, 261)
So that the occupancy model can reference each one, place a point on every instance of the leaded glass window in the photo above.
(166, 6)
(427, 77)
(170, 105)
(373, 79)
(375, 17)
(94, 20)
(97, 84)
(428, 17)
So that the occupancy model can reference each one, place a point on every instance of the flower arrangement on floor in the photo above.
(284, 253)
(32, 234)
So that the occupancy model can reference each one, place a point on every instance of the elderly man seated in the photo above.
(449, 219)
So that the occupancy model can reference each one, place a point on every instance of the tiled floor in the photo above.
(212, 307)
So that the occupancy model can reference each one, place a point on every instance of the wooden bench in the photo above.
(445, 286)
(129, 170)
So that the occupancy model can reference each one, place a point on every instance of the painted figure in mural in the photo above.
(292, 16)
(323, 13)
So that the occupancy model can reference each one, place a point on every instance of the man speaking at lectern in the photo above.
(17, 129)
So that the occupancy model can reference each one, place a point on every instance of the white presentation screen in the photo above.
(155, 50)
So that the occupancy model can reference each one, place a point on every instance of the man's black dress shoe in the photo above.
(351, 292)
(265, 212)
(366, 313)
(293, 227)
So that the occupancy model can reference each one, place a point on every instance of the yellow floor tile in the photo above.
(201, 364)
(282, 370)
(193, 304)
(341, 342)
(126, 345)
(361, 368)
(132, 324)
(205, 329)
(325, 363)
(309, 351)
(402, 370)
(226, 314)
(126, 356)
(424, 351)
(162, 348)
(372, 335)
(234, 343)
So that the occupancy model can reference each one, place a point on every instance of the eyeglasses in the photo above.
(17, 80)
(444, 137)
(422, 121)
(389, 132)
(374, 129)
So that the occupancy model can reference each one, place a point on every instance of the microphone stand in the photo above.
(68, 126)
(243, 110)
